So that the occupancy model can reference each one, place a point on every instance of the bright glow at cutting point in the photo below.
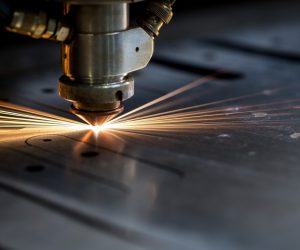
(97, 129)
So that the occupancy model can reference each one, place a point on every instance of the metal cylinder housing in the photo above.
(89, 80)
(101, 54)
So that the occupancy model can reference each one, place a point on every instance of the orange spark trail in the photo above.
(176, 92)
(207, 115)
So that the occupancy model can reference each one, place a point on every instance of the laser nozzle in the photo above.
(97, 118)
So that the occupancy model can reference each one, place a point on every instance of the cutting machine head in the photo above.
(100, 50)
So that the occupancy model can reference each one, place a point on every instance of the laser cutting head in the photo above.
(102, 53)
(100, 50)
(99, 57)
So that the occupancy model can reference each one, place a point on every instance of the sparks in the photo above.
(15, 116)
(18, 122)
(159, 117)
(170, 113)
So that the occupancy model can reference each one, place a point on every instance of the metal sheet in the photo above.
(219, 189)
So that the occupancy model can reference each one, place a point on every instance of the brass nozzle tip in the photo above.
(97, 118)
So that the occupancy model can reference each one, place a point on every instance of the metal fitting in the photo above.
(38, 25)
(158, 13)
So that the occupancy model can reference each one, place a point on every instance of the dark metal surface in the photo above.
(219, 189)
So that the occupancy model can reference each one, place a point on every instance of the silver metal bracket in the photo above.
(107, 55)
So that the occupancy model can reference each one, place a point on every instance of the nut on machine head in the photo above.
(100, 50)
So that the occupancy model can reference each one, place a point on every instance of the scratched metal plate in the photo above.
(219, 189)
